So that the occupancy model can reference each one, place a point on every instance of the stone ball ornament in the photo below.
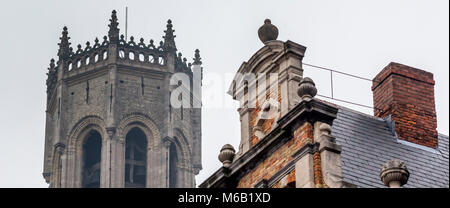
(307, 89)
(394, 173)
(267, 32)
(226, 155)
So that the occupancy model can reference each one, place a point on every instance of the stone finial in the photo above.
(325, 132)
(96, 43)
(64, 51)
(394, 173)
(226, 155)
(51, 76)
(151, 45)
(307, 89)
(52, 64)
(105, 40)
(169, 37)
(197, 59)
(141, 43)
(131, 42)
(113, 32)
(267, 32)
(325, 128)
(88, 46)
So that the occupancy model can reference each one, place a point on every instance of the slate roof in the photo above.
(368, 142)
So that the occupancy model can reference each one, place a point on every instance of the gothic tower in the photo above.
(122, 114)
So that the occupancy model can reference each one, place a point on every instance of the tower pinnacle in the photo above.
(113, 32)
(197, 59)
(169, 37)
(63, 51)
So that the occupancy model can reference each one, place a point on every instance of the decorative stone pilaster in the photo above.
(304, 172)
(244, 145)
(394, 173)
(57, 165)
(330, 154)
(111, 167)
(166, 150)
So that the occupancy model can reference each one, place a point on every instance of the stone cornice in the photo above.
(310, 111)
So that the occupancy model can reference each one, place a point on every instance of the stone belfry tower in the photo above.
(110, 117)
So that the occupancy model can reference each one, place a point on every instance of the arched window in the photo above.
(135, 159)
(173, 166)
(92, 149)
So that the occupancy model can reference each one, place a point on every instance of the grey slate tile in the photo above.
(367, 143)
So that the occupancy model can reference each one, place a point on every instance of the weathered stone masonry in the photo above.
(110, 90)
(288, 149)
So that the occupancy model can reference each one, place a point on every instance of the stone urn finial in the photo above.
(307, 89)
(226, 155)
(394, 173)
(267, 32)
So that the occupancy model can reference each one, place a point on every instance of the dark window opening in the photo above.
(135, 159)
(92, 149)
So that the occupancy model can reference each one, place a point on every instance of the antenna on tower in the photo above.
(126, 23)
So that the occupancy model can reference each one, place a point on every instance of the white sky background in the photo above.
(357, 37)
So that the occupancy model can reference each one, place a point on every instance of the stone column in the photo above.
(107, 168)
(57, 172)
(166, 152)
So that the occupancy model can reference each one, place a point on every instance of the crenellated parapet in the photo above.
(87, 55)
(136, 53)
(147, 54)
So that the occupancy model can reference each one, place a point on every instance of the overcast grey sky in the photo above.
(357, 37)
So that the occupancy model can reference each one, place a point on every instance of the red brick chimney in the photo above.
(407, 94)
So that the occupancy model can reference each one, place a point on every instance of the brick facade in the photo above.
(267, 124)
(279, 158)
